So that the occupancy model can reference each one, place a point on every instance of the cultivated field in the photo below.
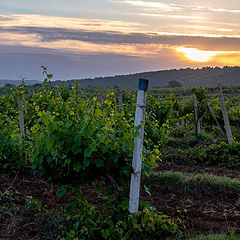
(65, 157)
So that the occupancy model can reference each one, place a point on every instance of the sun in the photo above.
(196, 55)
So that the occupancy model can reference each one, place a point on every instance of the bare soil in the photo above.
(201, 211)
(196, 211)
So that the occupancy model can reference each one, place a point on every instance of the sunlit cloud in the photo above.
(9, 38)
(26, 20)
(187, 17)
(79, 47)
(227, 58)
(43, 35)
(225, 30)
(225, 10)
(195, 44)
(220, 58)
(197, 55)
(159, 34)
(154, 5)
(168, 16)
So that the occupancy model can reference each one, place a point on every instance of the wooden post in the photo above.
(197, 122)
(138, 146)
(21, 115)
(76, 91)
(225, 115)
(120, 101)
(101, 100)
(212, 112)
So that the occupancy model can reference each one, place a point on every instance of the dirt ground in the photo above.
(197, 211)
(201, 211)
(215, 170)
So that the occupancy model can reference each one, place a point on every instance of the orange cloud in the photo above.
(91, 36)
(228, 58)
(197, 55)
(220, 58)
(26, 20)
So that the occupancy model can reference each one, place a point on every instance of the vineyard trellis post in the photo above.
(120, 100)
(225, 115)
(101, 100)
(212, 112)
(21, 114)
(138, 146)
(197, 122)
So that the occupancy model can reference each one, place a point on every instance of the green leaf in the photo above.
(67, 161)
(105, 233)
(77, 167)
(68, 124)
(87, 153)
(99, 162)
(147, 190)
(49, 76)
(52, 126)
(71, 234)
(86, 162)
(61, 191)
(115, 158)
(124, 205)
(76, 149)
(87, 132)
(45, 81)
(98, 189)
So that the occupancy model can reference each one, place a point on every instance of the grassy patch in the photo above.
(217, 237)
(191, 181)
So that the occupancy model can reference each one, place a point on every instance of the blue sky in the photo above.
(78, 39)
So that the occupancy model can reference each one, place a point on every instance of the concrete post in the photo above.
(138, 146)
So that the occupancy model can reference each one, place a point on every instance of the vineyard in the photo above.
(66, 155)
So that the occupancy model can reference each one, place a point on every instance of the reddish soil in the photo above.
(200, 210)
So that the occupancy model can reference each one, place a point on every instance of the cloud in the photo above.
(42, 34)
(157, 15)
(27, 41)
(227, 58)
(153, 5)
(175, 6)
(21, 61)
(5, 18)
(26, 61)
(33, 20)
(225, 10)
(206, 12)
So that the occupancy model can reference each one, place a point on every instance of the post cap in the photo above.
(143, 84)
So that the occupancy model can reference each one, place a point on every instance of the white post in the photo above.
(138, 146)
(225, 116)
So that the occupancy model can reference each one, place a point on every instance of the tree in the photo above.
(10, 85)
(173, 84)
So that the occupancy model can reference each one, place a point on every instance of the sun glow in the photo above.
(196, 55)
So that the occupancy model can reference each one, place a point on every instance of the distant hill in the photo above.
(3, 82)
(207, 76)
(188, 77)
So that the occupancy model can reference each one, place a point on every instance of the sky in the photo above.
(77, 39)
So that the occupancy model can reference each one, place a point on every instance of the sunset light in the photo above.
(96, 93)
(196, 55)
(112, 37)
